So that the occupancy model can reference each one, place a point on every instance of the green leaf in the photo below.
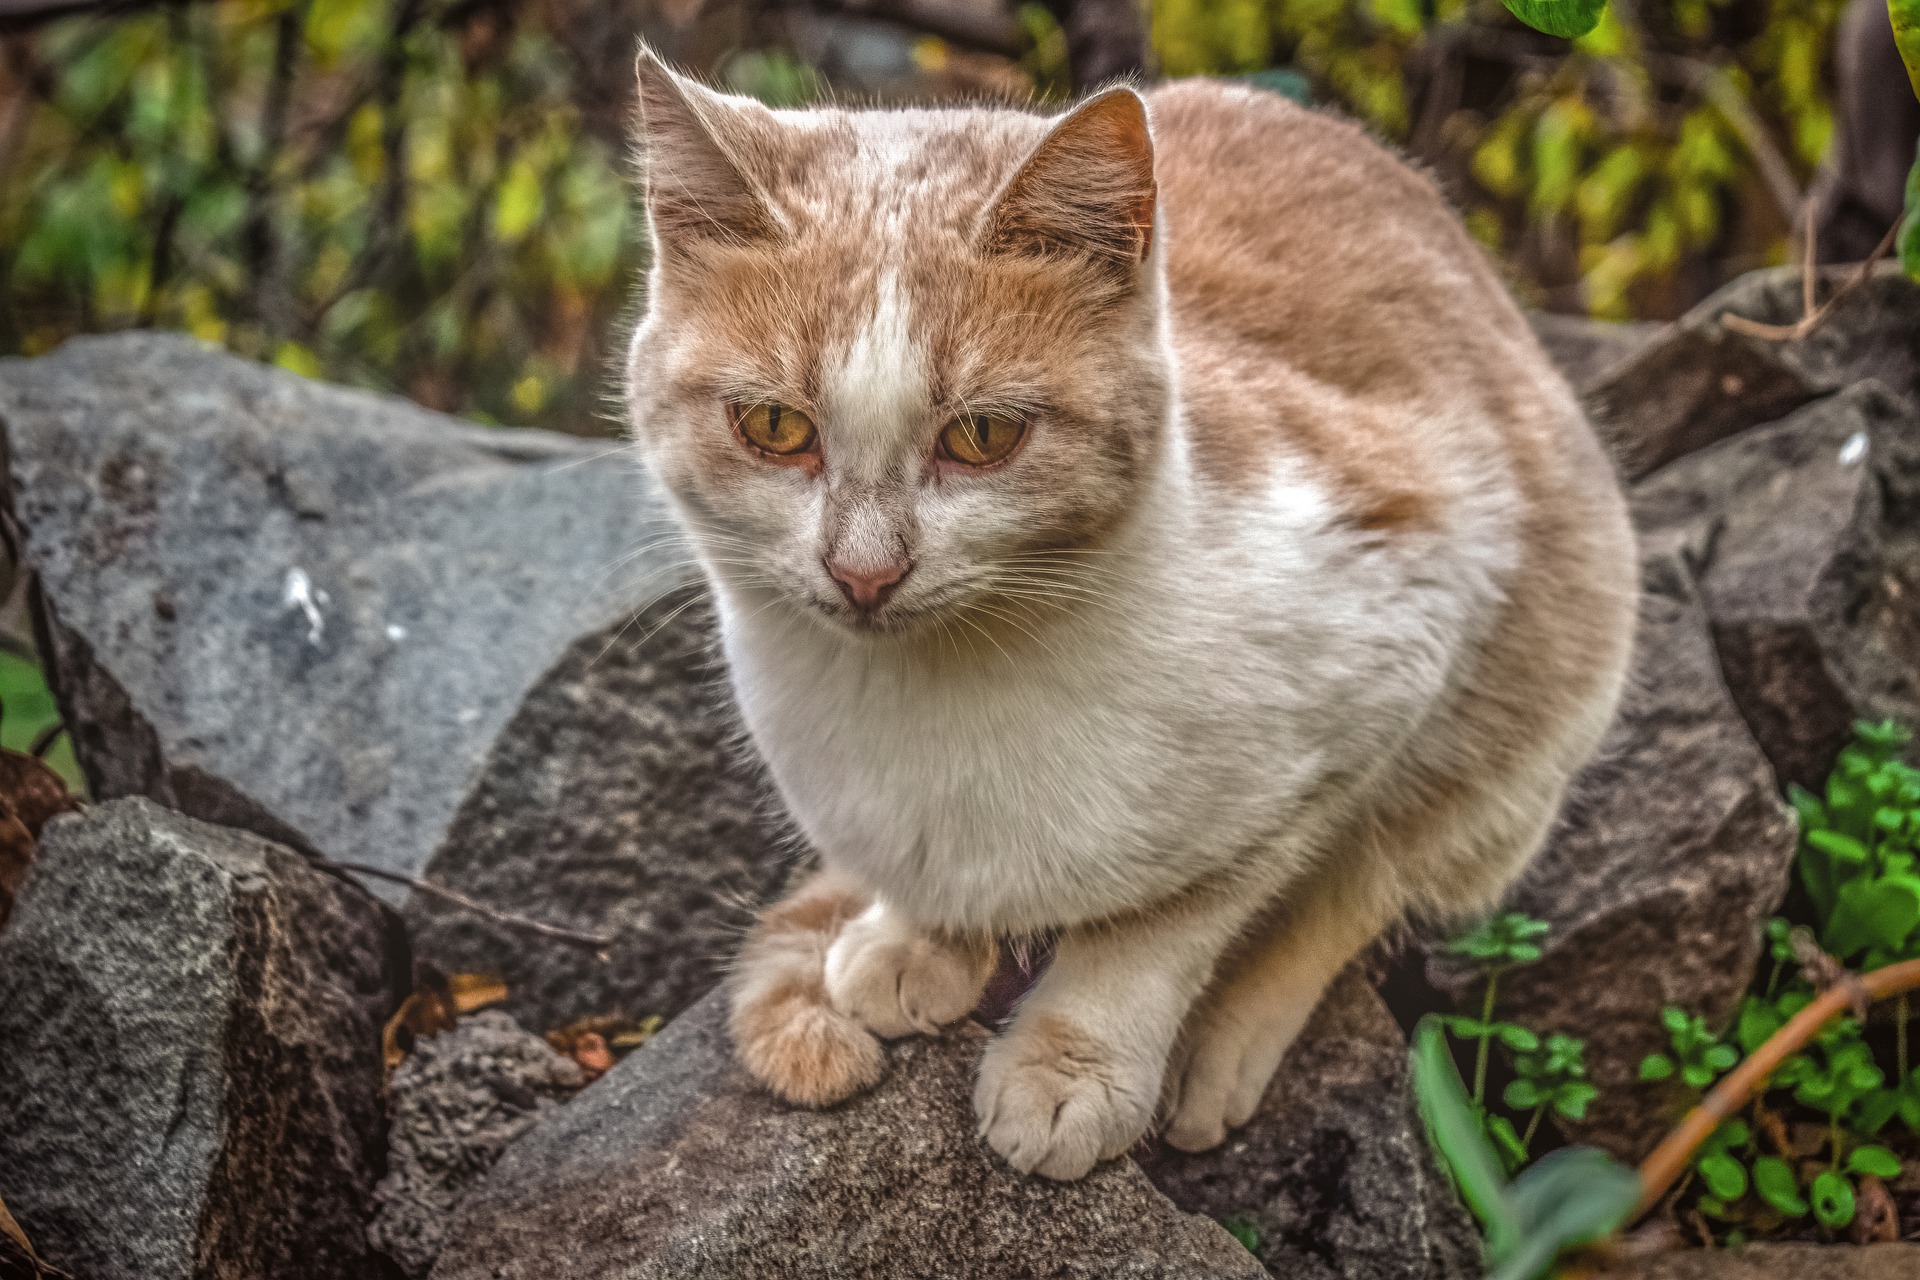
(1656, 1066)
(1832, 1199)
(1773, 1179)
(1519, 1039)
(1572, 1197)
(1909, 244)
(1870, 912)
(1522, 1095)
(1906, 36)
(1506, 1140)
(1568, 19)
(1571, 1099)
(1724, 1176)
(1457, 1135)
(1878, 1161)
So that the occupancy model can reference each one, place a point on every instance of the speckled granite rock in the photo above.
(190, 1054)
(171, 494)
(621, 799)
(1805, 537)
(464, 684)
(457, 1102)
(676, 1165)
(1333, 1170)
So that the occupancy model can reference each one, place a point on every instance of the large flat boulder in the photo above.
(391, 638)
(676, 1165)
(1805, 538)
(190, 1054)
(1333, 1173)
(1671, 850)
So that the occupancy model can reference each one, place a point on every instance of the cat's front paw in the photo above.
(802, 1048)
(1055, 1101)
(897, 981)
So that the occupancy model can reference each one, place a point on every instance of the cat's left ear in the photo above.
(1087, 189)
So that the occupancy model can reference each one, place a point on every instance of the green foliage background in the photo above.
(429, 196)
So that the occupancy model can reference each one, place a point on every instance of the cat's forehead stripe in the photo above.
(876, 382)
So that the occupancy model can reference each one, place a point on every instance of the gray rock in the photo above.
(675, 1164)
(1671, 850)
(1700, 382)
(620, 800)
(169, 492)
(456, 1103)
(189, 1054)
(1805, 537)
(1334, 1171)
(502, 681)
(1778, 1262)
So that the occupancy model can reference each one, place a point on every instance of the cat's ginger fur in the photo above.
(1304, 593)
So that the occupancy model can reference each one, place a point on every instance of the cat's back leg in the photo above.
(1474, 837)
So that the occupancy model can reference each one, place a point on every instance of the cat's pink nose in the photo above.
(868, 586)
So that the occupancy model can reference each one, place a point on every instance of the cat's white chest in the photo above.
(1074, 788)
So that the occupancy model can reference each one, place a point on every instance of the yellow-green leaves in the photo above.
(1906, 35)
(1565, 18)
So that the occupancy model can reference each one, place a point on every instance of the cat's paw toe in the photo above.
(1054, 1101)
(806, 1051)
(1202, 1087)
(897, 985)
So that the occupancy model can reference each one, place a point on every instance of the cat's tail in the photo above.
(784, 1028)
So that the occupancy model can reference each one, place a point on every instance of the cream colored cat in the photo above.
(1152, 526)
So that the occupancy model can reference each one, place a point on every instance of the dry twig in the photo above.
(512, 920)
(1737, 1087)
(1810, 315)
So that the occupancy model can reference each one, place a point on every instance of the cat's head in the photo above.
(898, 364)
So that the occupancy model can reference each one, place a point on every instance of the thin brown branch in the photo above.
(509, 919)
(1812, 316)
(1737, 1088)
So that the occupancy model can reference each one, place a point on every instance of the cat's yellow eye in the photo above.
(981, 439)
(775, 428)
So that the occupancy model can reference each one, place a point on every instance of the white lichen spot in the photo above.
(469, 715)
(396, 632)
(298, 592)
(1854, 449)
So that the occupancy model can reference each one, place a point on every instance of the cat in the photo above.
(1152, 527)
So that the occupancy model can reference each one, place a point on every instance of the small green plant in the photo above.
(1859, 847)
(1568, 1199)
(1698, 1055)
(1552, 1077)
(1494, 946)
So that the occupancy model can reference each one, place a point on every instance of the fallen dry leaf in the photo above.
(597, 1043)
(30, 793)
(1876, 1220)
(18, 1261)
(435, 1005)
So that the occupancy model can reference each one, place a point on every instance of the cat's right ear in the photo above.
(697, 150)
